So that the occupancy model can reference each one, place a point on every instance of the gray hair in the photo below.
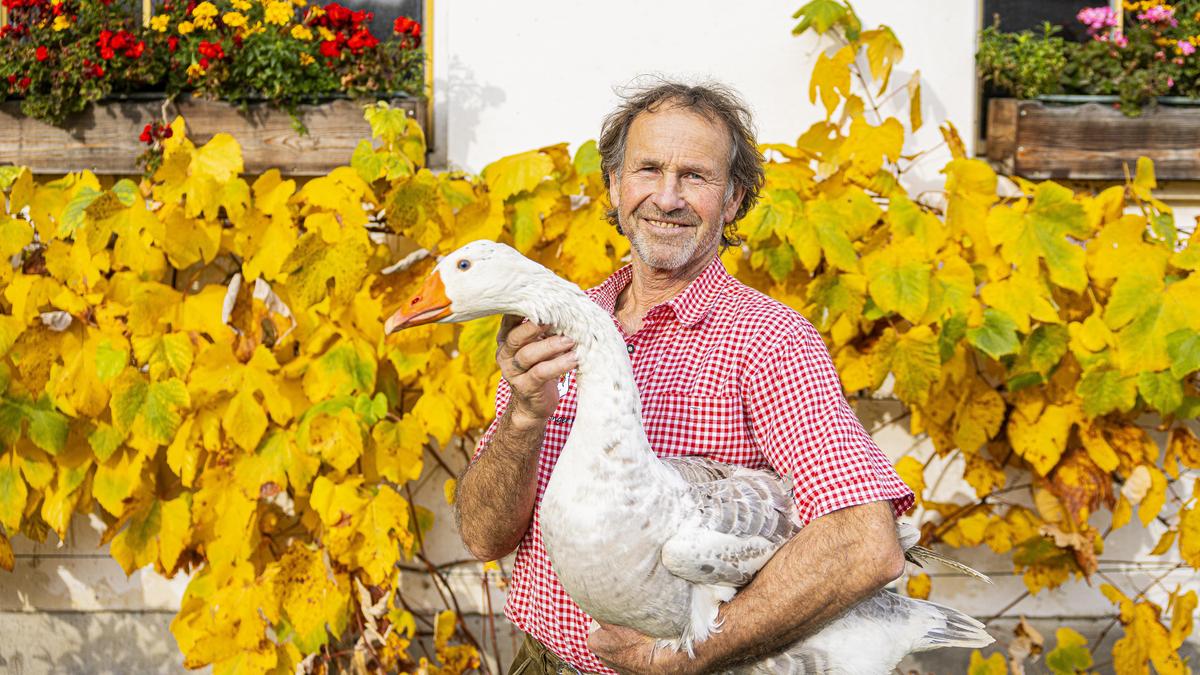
(713, 101)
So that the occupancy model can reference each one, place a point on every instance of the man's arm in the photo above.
(831, 564)
(496, 492)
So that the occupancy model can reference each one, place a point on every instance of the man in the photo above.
(723, 371)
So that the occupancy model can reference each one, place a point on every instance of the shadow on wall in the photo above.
(87, 643)
(466, 99)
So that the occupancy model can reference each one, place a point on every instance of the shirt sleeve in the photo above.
(503, 394)
(805, 427)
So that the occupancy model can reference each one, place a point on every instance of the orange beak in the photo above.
(428, 305)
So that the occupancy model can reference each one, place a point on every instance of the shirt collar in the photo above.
(690, 306)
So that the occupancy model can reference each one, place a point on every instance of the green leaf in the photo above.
(1043, 233)
(779, 261)
(898, 279)
(997, 336)
(1070, 656)
(951, 333)
(126, 191)
(104, 441)
(13, 493)
(110, 361)
(74, 212)
(820, 15)
(1104, 390)
(1183, 346)
(587, 159)
(517, 173)
(1162, 390)
(366, 161)
(47, 427)
(827, 223)
(159, 412)
(1044, 348)
(526, 224)
(8, 175)
(478, 342)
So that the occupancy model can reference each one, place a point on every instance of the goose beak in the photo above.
(428, 305)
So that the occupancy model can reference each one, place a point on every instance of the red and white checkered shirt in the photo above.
(725, 372)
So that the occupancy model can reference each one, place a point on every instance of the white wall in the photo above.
(515, 76)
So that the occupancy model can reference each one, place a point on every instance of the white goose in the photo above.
(684, 533)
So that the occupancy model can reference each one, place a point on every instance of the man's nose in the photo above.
(667, 196)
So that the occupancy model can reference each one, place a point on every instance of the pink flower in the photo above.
(1097, 18)
(1159, 14)
(1120, 40)
(1186, 48)
(1170, 82)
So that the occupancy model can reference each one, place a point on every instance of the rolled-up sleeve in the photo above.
(805, 428)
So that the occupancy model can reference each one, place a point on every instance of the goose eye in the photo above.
(464, 264)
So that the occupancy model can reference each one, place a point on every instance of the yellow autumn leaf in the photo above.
(912, 472)
(993, 665)
(918, 586)
(1041, 441)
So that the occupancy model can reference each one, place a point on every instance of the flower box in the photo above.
(104, 137)
(1062, 139)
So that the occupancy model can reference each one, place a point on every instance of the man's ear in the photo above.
(614, 189)
(734, 204)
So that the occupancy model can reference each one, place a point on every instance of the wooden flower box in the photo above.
(104, 137)
(1091, 141)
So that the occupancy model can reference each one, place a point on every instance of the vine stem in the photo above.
(1139, 596)
(1007, 607)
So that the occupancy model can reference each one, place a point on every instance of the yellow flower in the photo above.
(205, 8)
(300, 3)
(205, 23)
(316, 12)
(301, 32)
(160, 22)
(305, 59)
(186, 27)
(234, 19)
(240, 5)
(278, 12)
(61, 22)
(195, 70)
(326, 34)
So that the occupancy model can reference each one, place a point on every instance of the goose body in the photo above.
(658, 544)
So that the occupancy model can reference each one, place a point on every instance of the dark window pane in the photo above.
(386, 12)
(1018, 15)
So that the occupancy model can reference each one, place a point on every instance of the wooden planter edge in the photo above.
(1091, 141)
(104, 137)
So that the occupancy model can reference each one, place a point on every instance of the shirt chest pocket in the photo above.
(679, 424)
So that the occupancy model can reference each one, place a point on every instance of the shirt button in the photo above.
(629, 348)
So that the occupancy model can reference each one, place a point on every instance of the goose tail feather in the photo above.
(955, 630)
(916, 554)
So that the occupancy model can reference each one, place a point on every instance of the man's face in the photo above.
(670, 194)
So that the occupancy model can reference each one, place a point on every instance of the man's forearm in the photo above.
(831, 564)
(497, 491)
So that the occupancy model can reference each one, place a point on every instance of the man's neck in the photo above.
(649, 288)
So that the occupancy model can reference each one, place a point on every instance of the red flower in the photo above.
(42, 53)
(24, 83)
(211, 50)
(12, 79)
(106, 53)
(119, 40)
(204, 62)
(147, 136)
(135, 50)
(166, 132)
(330, 49)
(172, 44)
(362, 39)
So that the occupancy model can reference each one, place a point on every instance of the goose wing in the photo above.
(742, 517)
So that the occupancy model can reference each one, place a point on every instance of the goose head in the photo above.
(480, 279)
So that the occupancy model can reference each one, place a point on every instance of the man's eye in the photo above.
(464, 264)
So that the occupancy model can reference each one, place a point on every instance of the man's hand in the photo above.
(531, 361)
(628, 651)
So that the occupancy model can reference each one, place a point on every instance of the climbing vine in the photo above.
(199, 358)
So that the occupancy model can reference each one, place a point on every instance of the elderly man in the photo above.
(681, 167)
